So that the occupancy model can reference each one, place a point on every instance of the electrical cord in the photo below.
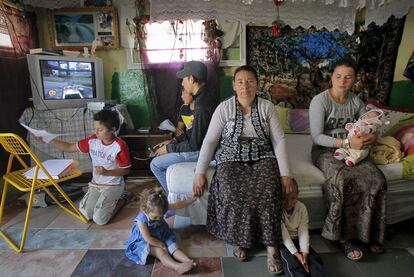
(136, 157)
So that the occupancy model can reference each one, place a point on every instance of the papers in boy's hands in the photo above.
(56, 169)
(167, 125)
(45, 135)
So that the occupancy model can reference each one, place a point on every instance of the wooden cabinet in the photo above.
(138, 144)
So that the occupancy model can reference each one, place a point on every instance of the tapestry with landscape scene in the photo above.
(295, 65)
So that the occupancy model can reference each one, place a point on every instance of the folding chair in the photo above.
(17, 148)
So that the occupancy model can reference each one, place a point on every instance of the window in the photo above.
(235, 54)
(172, 41)
(5, 40)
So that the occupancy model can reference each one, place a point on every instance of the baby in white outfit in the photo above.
(367, 123)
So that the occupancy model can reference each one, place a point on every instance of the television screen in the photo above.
(67, 79)
(64, 81)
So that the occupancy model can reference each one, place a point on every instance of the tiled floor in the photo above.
(59, 245)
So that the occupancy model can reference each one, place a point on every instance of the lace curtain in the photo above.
(330, 14)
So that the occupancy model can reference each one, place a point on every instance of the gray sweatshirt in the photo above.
(328, 118)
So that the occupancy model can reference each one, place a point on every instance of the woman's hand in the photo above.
(199, 184)
(287, 184)
(356, 142)
(368, 139)
(360, 142)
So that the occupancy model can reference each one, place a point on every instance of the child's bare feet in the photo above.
(184, 267)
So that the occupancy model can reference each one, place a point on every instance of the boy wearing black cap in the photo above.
(186, 147)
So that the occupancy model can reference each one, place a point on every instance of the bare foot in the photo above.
(194, 263)
(184, 267)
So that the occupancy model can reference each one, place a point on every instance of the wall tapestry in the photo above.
(295, 65)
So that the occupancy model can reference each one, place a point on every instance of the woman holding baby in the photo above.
(355, 193)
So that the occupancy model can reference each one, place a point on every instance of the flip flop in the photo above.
(349, 248)
(239, 253)
(275, 262)
(376, 248)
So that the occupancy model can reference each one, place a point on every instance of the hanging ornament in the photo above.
(277, 28)
(277, 2)
(278, 24)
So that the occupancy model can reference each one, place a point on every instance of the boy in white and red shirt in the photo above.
(110, 161)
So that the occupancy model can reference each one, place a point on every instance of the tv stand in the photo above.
(74, 124)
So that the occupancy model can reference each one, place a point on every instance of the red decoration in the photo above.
(277, 29)
(278, 2)
(278, 24)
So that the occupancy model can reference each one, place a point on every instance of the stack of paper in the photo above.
(56, 169)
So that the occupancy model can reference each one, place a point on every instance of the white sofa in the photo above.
(400, 195)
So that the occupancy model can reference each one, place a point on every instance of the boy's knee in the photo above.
(85, 214)
(153, 164)
(101, 218)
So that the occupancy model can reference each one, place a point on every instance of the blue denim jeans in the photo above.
(160, 164)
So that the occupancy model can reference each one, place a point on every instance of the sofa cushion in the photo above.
(294, 121)
(300, 162)
(392, 115)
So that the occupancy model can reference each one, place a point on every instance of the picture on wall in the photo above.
(295, 66)
(105, 23)
(80, 27)
(74, 29)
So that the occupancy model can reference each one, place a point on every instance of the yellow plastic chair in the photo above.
(17, 148)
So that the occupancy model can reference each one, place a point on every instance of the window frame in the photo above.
(242, 50)
(223, 63)
(139, 65)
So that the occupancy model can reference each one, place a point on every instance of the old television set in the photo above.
(65, 82)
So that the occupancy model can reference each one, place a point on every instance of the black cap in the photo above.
(195, 68)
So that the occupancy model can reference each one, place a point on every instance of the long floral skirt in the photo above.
(355, 197)
(245, 203)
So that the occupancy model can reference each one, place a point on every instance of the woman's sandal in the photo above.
(239, 253)
(274, 264)
(350, 248)
(376, 248)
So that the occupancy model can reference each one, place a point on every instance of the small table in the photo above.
(138, 144)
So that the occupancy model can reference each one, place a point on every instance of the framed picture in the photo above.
(76, 28)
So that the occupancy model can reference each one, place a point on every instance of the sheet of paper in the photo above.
(54, 167)
(45, 135)
(167, 125)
